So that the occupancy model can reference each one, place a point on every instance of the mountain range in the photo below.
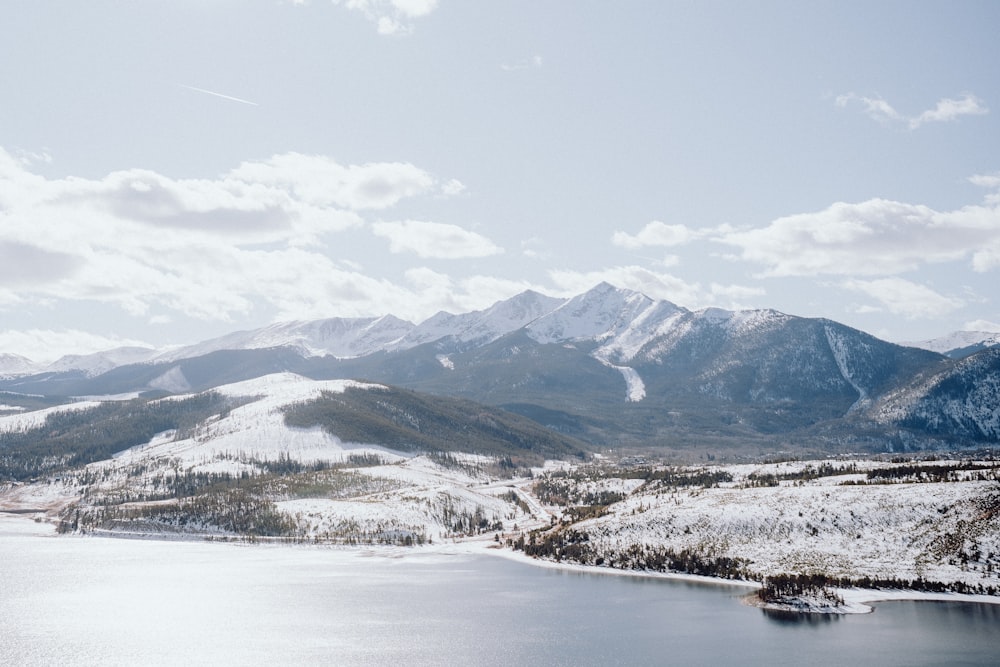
(610, 367)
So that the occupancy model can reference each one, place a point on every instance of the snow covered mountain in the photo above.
(482, 326)
(960, 398)
(102, 362)
(959, 344)
(357, 337)
(12, 365)
(338, 337)
(610, 366)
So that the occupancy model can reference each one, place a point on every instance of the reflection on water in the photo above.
(783, 617)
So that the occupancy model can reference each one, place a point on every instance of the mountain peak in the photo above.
(482, 326)
(15, 364)
(597, 314)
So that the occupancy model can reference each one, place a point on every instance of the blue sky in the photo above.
(171, 171)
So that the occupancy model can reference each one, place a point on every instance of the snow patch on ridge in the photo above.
(654, 322)
(746, 321)
(635, 388)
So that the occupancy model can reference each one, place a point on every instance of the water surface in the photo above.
(94, 601)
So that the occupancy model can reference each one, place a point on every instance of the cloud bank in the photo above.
(213, 249)
(874, 237)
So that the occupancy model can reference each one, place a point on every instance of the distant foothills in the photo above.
(609, 368)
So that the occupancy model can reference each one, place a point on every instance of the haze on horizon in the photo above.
(173, 171)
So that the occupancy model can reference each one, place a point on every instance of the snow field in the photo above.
(881, 531)
(23, 421)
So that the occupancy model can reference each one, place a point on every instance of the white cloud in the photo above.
(414, 8)
(210, 249)
(735, 295)
(990, 181)
(30, 158)
(534, 248)
(946, 109)
(452, 187)
(320, 181)
(435, 240)
(656, 233)
(391, 17)
(535, 62)
(950, 109)
(902, 297)
(875, 107)
(875, 237)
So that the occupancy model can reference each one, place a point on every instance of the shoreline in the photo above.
(857, 600)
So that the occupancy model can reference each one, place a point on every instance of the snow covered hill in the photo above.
(959, 344)
(935, 520)
(245, 470)
(251, 424)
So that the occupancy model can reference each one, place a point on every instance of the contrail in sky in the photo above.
(225, 97)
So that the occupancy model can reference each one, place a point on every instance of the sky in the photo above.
(174, 170)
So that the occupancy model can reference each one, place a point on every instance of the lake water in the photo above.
(92, 601)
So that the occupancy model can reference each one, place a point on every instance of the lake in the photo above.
(95, 601)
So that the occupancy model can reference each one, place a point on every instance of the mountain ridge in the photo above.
(550, 319)
(610, 366)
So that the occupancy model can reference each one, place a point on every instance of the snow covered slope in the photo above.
(247, 471)
(12, 365)
(959, 343)
(598, 314)
(482, 326)
(833, 518)
(338, 337)
(101, 362)
(256, 429)
(959, 401)
(24, 420)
